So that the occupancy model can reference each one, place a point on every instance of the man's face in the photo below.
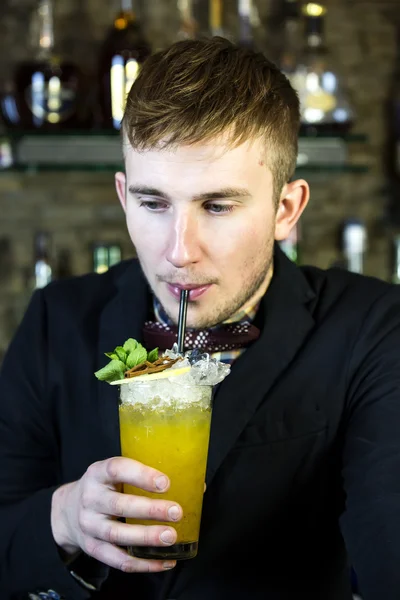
(201, 217)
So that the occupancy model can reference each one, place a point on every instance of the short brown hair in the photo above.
(197, 89)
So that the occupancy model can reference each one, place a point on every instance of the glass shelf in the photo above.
(63, 168)
(347, 137)
(17, 134)
(112, 168)
(347, 168)
(101, 151)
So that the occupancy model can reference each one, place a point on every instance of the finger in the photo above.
(134, 507)
(123, 534)
(205, 487)
(126, 470)
(120, 559)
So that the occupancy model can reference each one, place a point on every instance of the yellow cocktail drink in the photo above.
(167, 426)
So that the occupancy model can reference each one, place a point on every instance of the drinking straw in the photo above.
(183, 305)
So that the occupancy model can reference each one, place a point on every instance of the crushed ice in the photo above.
(179, 391)
(205, 370)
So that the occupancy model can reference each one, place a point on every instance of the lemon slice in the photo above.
(153, 376)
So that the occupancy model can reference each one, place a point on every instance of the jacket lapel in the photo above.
(286, 322)
(122, 317)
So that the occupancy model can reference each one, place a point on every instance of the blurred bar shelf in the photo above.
(101, 151)
(75, 151)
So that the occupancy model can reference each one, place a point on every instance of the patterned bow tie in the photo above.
(217, 339)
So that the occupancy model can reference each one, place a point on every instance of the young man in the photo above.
(303, 476)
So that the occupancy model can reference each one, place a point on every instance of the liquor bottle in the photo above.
(291, 47)
(392, 159)
(188, 25)
(105, 256)
(8, 105)
(215, 18)
(245, 9)
(6, 153)
(324, 106)
(124, 50)
(7, 260)
(354, 238)
(64, 267)
(396, 119)
(49, 93)
(114, 255)
(100, 258)
(395, 276)
(43, 270)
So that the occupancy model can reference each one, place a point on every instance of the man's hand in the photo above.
(84, 513)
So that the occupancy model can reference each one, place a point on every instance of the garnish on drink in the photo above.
(133, 360)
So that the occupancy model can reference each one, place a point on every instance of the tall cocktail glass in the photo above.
(166, 425)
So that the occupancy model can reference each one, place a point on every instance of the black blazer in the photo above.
(304, 457)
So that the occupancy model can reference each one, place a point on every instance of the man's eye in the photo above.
(219, 209)
(154, 205)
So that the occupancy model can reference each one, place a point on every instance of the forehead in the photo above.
(202, 162)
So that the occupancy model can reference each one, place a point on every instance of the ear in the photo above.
(294, 199)
(120, 186)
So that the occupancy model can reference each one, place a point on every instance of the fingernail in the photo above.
(161, 482)
(167, 537)
(174, 513)
(170, 564)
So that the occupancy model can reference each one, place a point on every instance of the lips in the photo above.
(195, 291)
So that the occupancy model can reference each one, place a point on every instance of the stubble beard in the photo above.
(231, 306)
(248, 288)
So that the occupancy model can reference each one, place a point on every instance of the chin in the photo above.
(201, 322)
(197, 316)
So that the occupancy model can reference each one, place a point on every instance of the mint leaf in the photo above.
(131, 354)
(121, 353)
(153, 355)
(136, 357)
(130, 345)
(112, 372)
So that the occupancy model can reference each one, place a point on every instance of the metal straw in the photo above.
(183, 306)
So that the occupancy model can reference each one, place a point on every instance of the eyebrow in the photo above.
(215, 195)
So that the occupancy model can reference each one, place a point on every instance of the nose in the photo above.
(183, 243)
